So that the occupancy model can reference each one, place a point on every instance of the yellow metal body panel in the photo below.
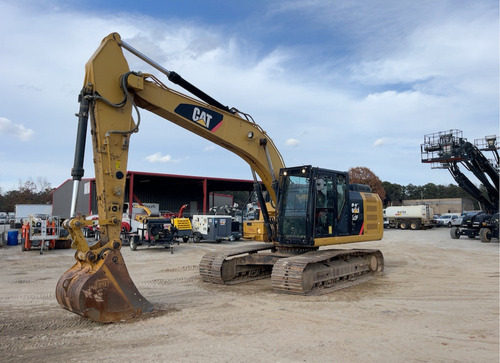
(182, 224)
(373, 227)
(255, 230)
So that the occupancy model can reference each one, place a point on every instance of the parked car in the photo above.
(446, 220)
(457, 221)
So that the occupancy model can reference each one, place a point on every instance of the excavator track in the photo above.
(321, 272)
(233, 267)
(309, 273)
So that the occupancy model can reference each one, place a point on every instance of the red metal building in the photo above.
(169, 191)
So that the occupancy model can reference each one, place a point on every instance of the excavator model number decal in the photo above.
(204, 117)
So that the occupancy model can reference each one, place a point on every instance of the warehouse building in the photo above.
(444, 205)
(169, 191)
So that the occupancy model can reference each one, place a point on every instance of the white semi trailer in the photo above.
(410, 217)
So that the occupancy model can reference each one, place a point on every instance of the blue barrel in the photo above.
(12, 238)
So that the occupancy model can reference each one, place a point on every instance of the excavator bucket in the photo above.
(101, 291)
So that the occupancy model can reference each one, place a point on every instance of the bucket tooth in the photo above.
(102, 291)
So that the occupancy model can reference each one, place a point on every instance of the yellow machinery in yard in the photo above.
(148, 228)
(255, 229)
(314, 207)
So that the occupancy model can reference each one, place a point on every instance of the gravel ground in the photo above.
(438, 301)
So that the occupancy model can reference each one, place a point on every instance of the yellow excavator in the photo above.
(314, 207)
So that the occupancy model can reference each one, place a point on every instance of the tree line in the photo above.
(29, 192)
(394, 194)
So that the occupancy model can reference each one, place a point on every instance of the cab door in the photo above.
(331, 204)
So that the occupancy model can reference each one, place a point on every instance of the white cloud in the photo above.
(159, 158)
(292, 142)
(209, 148)
(7, 127)
(380, 142)
(453, 53)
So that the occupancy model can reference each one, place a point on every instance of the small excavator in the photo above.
(314, 207)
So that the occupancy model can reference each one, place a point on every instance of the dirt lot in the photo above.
(438, 300)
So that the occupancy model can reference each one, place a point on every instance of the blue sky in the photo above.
(335, 84)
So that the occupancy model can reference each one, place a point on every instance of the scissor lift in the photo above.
(44, 232)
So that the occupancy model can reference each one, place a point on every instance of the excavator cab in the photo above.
(323, 197)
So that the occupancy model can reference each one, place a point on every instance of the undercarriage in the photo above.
(302, 271)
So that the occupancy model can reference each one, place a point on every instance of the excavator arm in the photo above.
(98, 286)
